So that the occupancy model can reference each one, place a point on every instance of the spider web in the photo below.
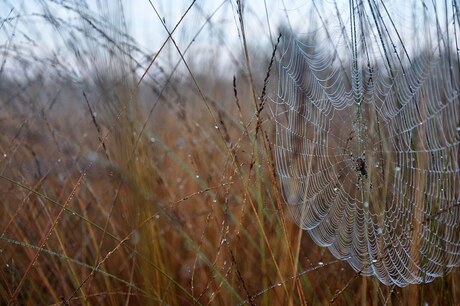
(367, 117)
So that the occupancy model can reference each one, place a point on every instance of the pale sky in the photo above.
(26, 30)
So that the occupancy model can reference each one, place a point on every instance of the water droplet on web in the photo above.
(279, 284)
(197, 176)
(136, 237)
(94, 114)
(152, 139)
(216, 127)
(321, 263)
(4, 155)
(379, 231)
(397, 169)
(366, 204)
(335, 188)
(374, 260)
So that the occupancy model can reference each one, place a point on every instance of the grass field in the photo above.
(139, 182)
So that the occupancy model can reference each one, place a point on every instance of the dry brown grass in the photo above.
(188, 218)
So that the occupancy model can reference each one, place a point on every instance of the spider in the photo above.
(361, 169)
(361, 166)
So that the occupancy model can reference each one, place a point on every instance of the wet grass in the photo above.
(156, 187)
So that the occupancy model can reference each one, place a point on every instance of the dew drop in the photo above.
(136, 237)
(321, 263)
(397, 169)
(152, 139)
(197, 176)
(335, 188)
(366, 204)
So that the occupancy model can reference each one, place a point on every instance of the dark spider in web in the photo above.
(361, 169)
(361, 166)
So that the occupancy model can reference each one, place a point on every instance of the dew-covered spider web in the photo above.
(367, 115)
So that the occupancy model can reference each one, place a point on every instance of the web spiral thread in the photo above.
(368, 141)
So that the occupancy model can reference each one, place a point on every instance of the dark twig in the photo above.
(240, 277)
(264, 89)
(98, 128)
